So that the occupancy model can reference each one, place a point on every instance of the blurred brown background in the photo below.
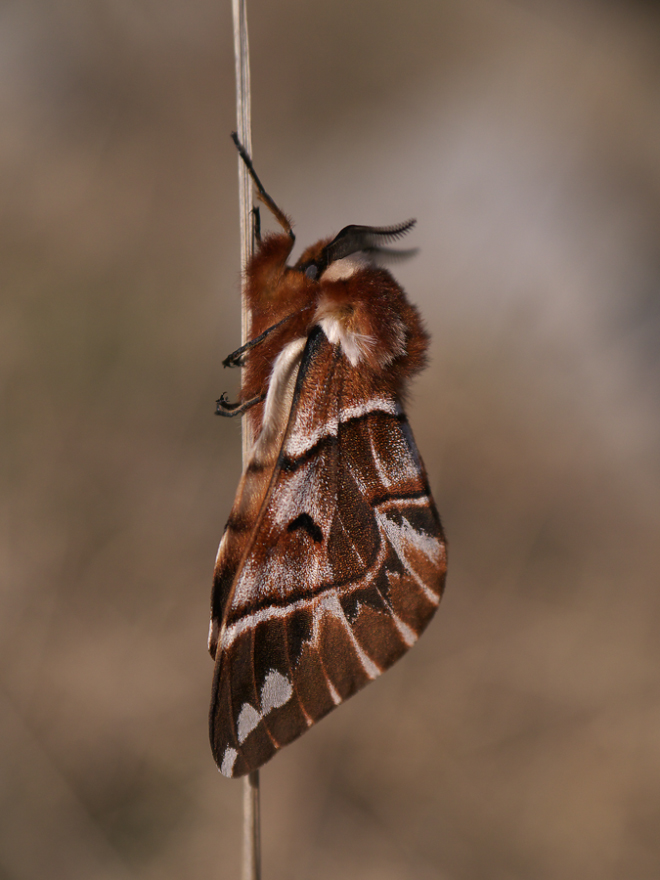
(520, 738)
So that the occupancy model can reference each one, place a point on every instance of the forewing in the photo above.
(344, 567)
(254, 484)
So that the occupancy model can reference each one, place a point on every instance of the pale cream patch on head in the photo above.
(342, 269)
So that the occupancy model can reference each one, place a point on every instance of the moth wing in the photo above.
(344, 568)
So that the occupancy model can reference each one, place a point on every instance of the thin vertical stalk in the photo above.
(251, 823)
(251, 827)
(244, 129)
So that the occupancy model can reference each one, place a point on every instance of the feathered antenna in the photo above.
(363, 238)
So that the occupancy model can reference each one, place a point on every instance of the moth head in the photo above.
(351, 248)
(313, 262)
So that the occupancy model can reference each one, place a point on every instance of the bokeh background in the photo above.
(520, 740)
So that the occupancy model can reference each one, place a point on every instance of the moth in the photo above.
(333, 559)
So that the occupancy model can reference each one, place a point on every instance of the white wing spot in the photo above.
(276, 691)
(248, 719)
(228, 761)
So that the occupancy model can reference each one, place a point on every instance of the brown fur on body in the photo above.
(369, 304)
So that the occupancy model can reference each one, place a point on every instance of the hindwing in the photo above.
(332, 564)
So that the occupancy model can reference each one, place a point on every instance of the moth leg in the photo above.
(278, 213)
(256, 226)
(236, 359)
(224, 408)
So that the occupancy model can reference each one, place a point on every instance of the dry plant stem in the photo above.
(244, 129)
(251, 829)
